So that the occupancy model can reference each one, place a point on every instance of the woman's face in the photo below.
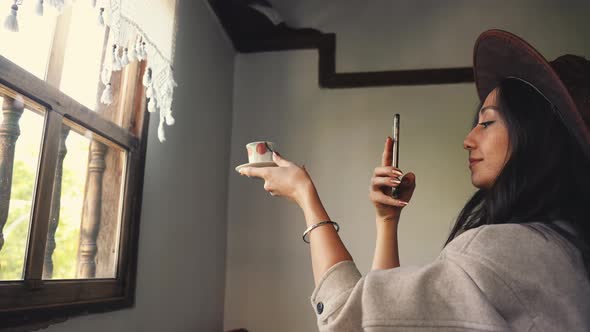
(487, 144)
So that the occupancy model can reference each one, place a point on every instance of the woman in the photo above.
(517, 257)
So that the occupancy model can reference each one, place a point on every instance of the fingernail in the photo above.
(403, 203)
(397, 172)
(395, 181)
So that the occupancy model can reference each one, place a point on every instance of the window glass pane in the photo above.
(86, 53)
(19, 156)
(67, 50)
(31, 45)
(83, 236)
(81, 69)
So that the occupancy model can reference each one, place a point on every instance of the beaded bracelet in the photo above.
(310, 228)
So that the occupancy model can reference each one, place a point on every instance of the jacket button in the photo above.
(320, 308)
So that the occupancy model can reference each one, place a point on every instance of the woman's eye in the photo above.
(487, 123)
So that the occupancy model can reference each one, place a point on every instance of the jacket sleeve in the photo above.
(440, 295)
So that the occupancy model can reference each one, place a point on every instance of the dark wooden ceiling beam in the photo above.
(325, 43)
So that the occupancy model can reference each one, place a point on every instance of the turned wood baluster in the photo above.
(9, 133)
(55, 205)
(90, 226)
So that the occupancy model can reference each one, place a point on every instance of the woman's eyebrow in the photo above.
(484, 109)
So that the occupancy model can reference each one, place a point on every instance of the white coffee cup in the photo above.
(260, 151)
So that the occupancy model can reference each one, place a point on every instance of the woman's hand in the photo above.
(287, 180)
(387, 207)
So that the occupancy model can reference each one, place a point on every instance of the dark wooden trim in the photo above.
(42, 318)
(127, 269)
(28, 84)
(18, 297)
(398, 77)
(42, 205)
(325, 43)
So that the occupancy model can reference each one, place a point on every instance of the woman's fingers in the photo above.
(254, 171)
(279, 160)
(409, 185)
(386, 176)
(261, 172)
(379, 197)
(377, 182)
(387, 156)
(387, 171)
(406, 185)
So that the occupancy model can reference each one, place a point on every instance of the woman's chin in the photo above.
(479, 183)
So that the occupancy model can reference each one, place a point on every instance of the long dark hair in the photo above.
(547, 175)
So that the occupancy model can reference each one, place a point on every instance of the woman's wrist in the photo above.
(387, 223)
(386, 250)
(305, 190)
(310, 203)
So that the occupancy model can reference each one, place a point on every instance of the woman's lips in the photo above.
(473, 162)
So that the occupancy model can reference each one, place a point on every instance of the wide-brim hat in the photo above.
(565, 81)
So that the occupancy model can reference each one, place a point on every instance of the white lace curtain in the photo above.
(140, 30)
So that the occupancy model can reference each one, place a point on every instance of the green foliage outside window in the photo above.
(12, 254)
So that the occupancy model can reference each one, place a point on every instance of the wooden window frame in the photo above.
(37, 302)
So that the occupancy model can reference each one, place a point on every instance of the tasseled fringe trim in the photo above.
(57, 4)
(159, 85)
(100, 17)
(107, 95)
(115, 62)
(149, 90)
(169, 119)
(138, 52)
(124, 58)
(39, 8)
(143, 51)
(147, 77)
(152, 104)
(11, 23)
(161, 135)
(105, 75)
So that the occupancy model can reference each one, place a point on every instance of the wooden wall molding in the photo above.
(325, 43)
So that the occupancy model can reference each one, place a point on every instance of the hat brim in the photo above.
(499, 54)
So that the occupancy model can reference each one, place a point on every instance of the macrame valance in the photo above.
(140, 30)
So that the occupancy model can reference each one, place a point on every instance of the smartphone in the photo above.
(395, 149)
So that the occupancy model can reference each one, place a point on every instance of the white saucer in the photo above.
(259, 164)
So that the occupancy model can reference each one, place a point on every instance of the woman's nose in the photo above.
(468, 143)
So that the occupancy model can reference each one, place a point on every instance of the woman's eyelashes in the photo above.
(486, 123)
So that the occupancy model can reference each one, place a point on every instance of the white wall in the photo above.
(180, 283)
(339, 136)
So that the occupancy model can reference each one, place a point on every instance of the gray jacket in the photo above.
(493, 278)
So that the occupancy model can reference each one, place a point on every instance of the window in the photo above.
(71, 171)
